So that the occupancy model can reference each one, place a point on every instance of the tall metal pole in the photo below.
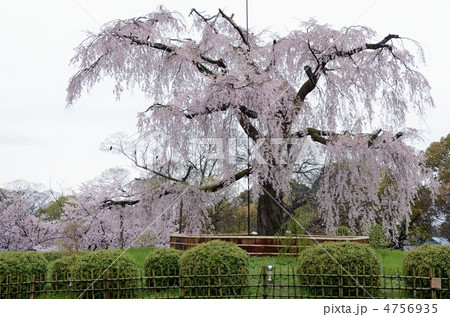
(248, 146)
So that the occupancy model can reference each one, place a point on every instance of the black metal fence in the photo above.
(271, 282)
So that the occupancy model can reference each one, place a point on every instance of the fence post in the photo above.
(264, 274)
(108, 295)
(181, 284)
(341, 282)
(435, 284)
(33, 287)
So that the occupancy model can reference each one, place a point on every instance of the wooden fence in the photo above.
(262, 245)
(271, 282)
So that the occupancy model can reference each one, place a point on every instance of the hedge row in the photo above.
(425, 260)
(338, 259)
(21, 263)
(217, 262)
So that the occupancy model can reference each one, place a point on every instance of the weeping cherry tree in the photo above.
(348, 91)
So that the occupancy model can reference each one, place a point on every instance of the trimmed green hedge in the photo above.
(217, 261)
(336, 258)
(55, 255)
(94, 267)
(419, 262)
(61, 270)
(162, 262)
(21, 265)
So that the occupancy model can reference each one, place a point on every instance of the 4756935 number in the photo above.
(411, 308)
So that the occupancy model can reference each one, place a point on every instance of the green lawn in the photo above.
(391, 259)
(139, 254)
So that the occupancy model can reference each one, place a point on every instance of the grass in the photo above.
(139, 254)
(391, 260)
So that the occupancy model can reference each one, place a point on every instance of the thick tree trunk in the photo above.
(270, 212)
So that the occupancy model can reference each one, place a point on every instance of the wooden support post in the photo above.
(108, 294)
(33, 287)
(264, 276)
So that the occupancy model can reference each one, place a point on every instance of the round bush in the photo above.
(162, 262)
(355, 258)
(216, 261)
(21, 265)
(419, 262)
(105, 273)
(377, 239)
(61, 270)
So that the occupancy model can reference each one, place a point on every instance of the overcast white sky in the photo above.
(42, 142)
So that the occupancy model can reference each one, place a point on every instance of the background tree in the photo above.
(438, 158)
(101, 214)
(21, 227)
(211, 79)
(421, 221)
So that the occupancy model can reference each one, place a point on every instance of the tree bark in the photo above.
(270, 211)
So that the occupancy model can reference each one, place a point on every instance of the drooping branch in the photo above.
(172, 49)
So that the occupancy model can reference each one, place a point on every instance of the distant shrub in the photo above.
(343, 231)
(51, 256)
(21, 266)
(145, 240)
(218, 261)
(55, 255)
(335, 258)
(94, 267)
(419, 262)
(162, 262)
(377, 238)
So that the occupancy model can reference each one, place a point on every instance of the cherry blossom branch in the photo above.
(248, 112)
(248, 127)
(218, 186)
(319, 136)
(206, 20)
(307, 87)
(236, 27)
(324, 59)
(172, 49)
(122, 203)
(315, 134)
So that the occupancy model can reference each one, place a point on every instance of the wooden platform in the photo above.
(261, 245)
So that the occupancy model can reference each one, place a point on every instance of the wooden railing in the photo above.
(262, 245)
(271, 282)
